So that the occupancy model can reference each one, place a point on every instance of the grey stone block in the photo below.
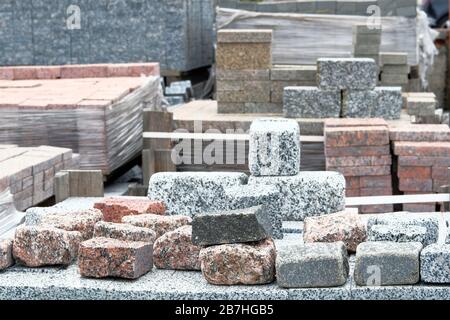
(311, 102)
(244, 75)
(396, 69)
(274, 147)
(393, 58)
(398, 233)
(389, 103)
(358, 103)
(237, 226)
(249, 107)
(313, 265)
(347, 73)
(302, 73)
(430, 221)
(307, 194)
(190, 193)
(435, 264)
(387, 263)
(248, 196)
(421, 106)
(394, 79)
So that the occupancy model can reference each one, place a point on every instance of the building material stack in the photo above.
(423, 158)
(360, 150)
(395, 69)
(422, 107)
(367, 41)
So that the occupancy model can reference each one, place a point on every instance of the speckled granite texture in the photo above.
(398, 233)
(6, 257)
(190, 193)
(308, 193)
(358, 103)
(435, 264)
(311, 102)
(124, 232)
(312, 265)
(388, 104)
(274, 147)
(347, 73)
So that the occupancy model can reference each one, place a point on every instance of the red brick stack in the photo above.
(360, 150)
(423, 158)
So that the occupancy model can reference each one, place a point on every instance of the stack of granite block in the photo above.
(422, 107)
(422, 157)
(360, 150)
(367, 41)
(347, 82)
(244, 60)
(395, 69)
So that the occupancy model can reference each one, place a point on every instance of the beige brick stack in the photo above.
(395, 69)
(422, 107)
(360, 150)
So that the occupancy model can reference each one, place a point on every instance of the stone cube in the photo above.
(125, 232)
(6, 256)
(347, 73)
(421, 106)
(234, 264)
(397, 233)
(106, 257)
(237, 226)
(36, 246)
(389, 103)
(175, 251)
(190, 193)
(311, 102)
(307, 194)
(358, 103)
(313, 265)
(435, 264)
(159, 224)
(274, 147)
(387, 263)
(393, 58)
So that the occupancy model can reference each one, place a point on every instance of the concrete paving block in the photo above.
(311, 102)
(435, 264)
(397, 233)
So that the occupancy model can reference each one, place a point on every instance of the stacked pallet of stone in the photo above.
(243, 63)
(367, 41)
(347, 82)
(422, 107)
(29, 172)
(395, 69)
(360, 150)
(423, 158)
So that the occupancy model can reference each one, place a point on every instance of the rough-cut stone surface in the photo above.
(190, 193)
(387, 263)
(124, 232)
(307, 194)
(6, 257)
(388, 103)
(237, 226)
(430, 221)
(233, 264)
(36, 246)
(248, 196)
(342, 226)
(244, 56)
(358, 103)
(435, 264)
(312, 265)
(274, 147)
(311, 102)
(244, 36)
(175, 251)
(356, 136)
(114, 209)
(106, 257)
(159, 224)
(397, 233)
(347, 73)
(81, 221)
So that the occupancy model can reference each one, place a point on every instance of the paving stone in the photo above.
(359, 161)
(351, 122)
(356, 136)
(82, 221)
(248, 196)
(307, 194)
(244, 36)
(175, 251)
(288, 73)
(43, 246)
(159, 224)
(114, 209)
(274, 147)
(361, 171)
(423, 149)
(423, 132)
(389, 103)
(359, 151)
(342, 226)
(235, 91)
(190, 193)
(435, 264)
(398, 233)
(106, 257)
(311, 102)
(233, 264)
(347, 73)
(358, 103)
(124, 232)
(393, 58)
(387, 263)
(420, 106)
(277, 89)
(429, 221)
(6, 257)
(243, 75)
(244, 56)
(312, 265)
(237, 226)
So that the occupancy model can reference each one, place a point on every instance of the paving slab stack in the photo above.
(422, 157)
(395, 69)
(423, 108)
(367, 41)
(360, 150)
(346, 87)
